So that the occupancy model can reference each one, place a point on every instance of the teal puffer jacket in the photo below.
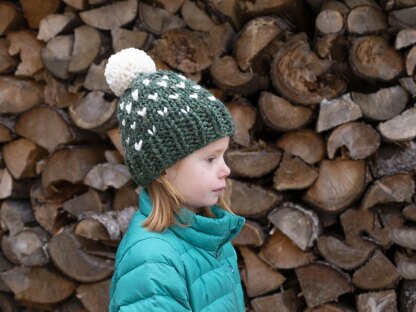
(182, 269)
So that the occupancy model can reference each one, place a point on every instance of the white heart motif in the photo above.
(153, 131)
(138, 146)
(128, 108)
(185, 111)
(164, 112)
(211, 98)
(162, 84)
(146, 82)
(197, 87)
(165, 77)
(123, 122)
(142, 112)
(180, 85)
(133, 126)
(193, 96)
(128, 140)
(182, 77)
(152, 97)
(135, 95)
(121, 105)
(175, 96)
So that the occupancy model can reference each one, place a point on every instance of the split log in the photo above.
(410, 61)
(227, 76)
(125, 197)
(55, 24)
(94, 113)
(14, 215)
(111, 16)
(257, 276)
(124, 38)
(391, 159)
(405, 237)
(95, 79)
(7, 62)
(244, 115)
(250, 43)
(331, 18)
(86, 48)
(382, 105)
(303, 143)
(195, 17)
(157, 20)
(397, 188)
(96, 296)
(336, 112)
(281, 115)
(170, 5)
(252, 164)
(368, 277)
(402, 19)
(407, 300)
(405, 38)
(321, 283)
(296, 222)
(293, 174)
(73, 305)
(388, 219)
(251, 234)
(226, 10)
(77, 4)
(409, 212)
(287, 301)
(249, 199)
(106, 175)
(281, 253)
(360, 139)
(35, 10)
(17, 95)
(7, 303)
(365, 20)
(58, 94)
(21, 156)
(57, 54)
(385, 300)
(91, 200)
(33, 124)
(38, 285)
(115, 137)
(66, 253)
(300, 76)
(339, 184)
(372, 57)
(406, 265)
(401, 127)
(10, 17)
(77, 161)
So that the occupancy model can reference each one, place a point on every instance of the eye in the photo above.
(211, 159)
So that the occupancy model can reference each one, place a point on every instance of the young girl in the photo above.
(177, 253)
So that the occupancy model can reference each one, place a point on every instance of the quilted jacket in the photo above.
(190, 268)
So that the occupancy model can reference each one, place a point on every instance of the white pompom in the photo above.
(124, 66)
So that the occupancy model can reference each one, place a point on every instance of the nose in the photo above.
(225, 170)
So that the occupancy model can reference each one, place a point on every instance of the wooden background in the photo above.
(323, 160)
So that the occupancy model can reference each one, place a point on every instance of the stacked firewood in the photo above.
(323, 160)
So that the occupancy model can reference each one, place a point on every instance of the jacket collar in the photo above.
(207, 233)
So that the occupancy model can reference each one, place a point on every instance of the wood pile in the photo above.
(323, 160)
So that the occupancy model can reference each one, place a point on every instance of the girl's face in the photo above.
(200, 177)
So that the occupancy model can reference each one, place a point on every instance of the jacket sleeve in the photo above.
(149, 277)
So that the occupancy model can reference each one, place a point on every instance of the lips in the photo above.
(219, 189)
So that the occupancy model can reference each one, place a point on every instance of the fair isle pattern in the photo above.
(165, 117)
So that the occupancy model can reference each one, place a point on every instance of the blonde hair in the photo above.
(166, 203)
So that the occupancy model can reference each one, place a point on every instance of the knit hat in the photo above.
(163, 116)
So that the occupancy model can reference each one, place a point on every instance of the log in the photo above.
(106, 175)
(305, 144)
(300, 76)
(385, 300)
(111, 16)
(368, 277)
(10, 17)
(57, 54)
(293, 174)
(257, 276)
(94, 113)
(331, 18)
(404, 236)
(77, 4)
(227, 76)
(251, 234)
(407, 300)
(38, 285)
(372, 58)
(91, 200)
(73, 305)
(320, 283)
(7, 303)
(17, 95)
(287, 301)
(125, 197)
(406, 265)
(252, 164)
(21, 156)
(402, 19)
(55, 24)
(365, 20)
(410, 61)
(157, 20)
(339, 184)
(249, 199)
(33, 124)
(170, 5)
(388, 219)
(95, 79)
(409, 212)
(86, 48)
(301, 225)
(244, 115)
(66, 253)
(281, 115)
(14, 215)
(95, 297)
(7, 62)
(10, 188)
(35, 10)
(385, 104)
(405, 38)
(254, 37)
(281, 253)
(125, 38)
(360, 139)
(401, 127)
(59, 95)
(397, 188)
(337, 112)
(115, 137)
(226, 10)
(195, 17)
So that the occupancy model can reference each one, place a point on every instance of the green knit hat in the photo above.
(163, 116)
